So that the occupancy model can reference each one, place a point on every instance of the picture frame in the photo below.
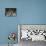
(10, 12)
(37, 29)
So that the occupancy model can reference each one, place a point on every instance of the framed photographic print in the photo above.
(10, 12)
(28, 34)
(32, 32)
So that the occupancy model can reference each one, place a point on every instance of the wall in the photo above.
(28, 12)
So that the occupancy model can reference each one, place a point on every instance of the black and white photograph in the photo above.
(10, 11)
(31, 34)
